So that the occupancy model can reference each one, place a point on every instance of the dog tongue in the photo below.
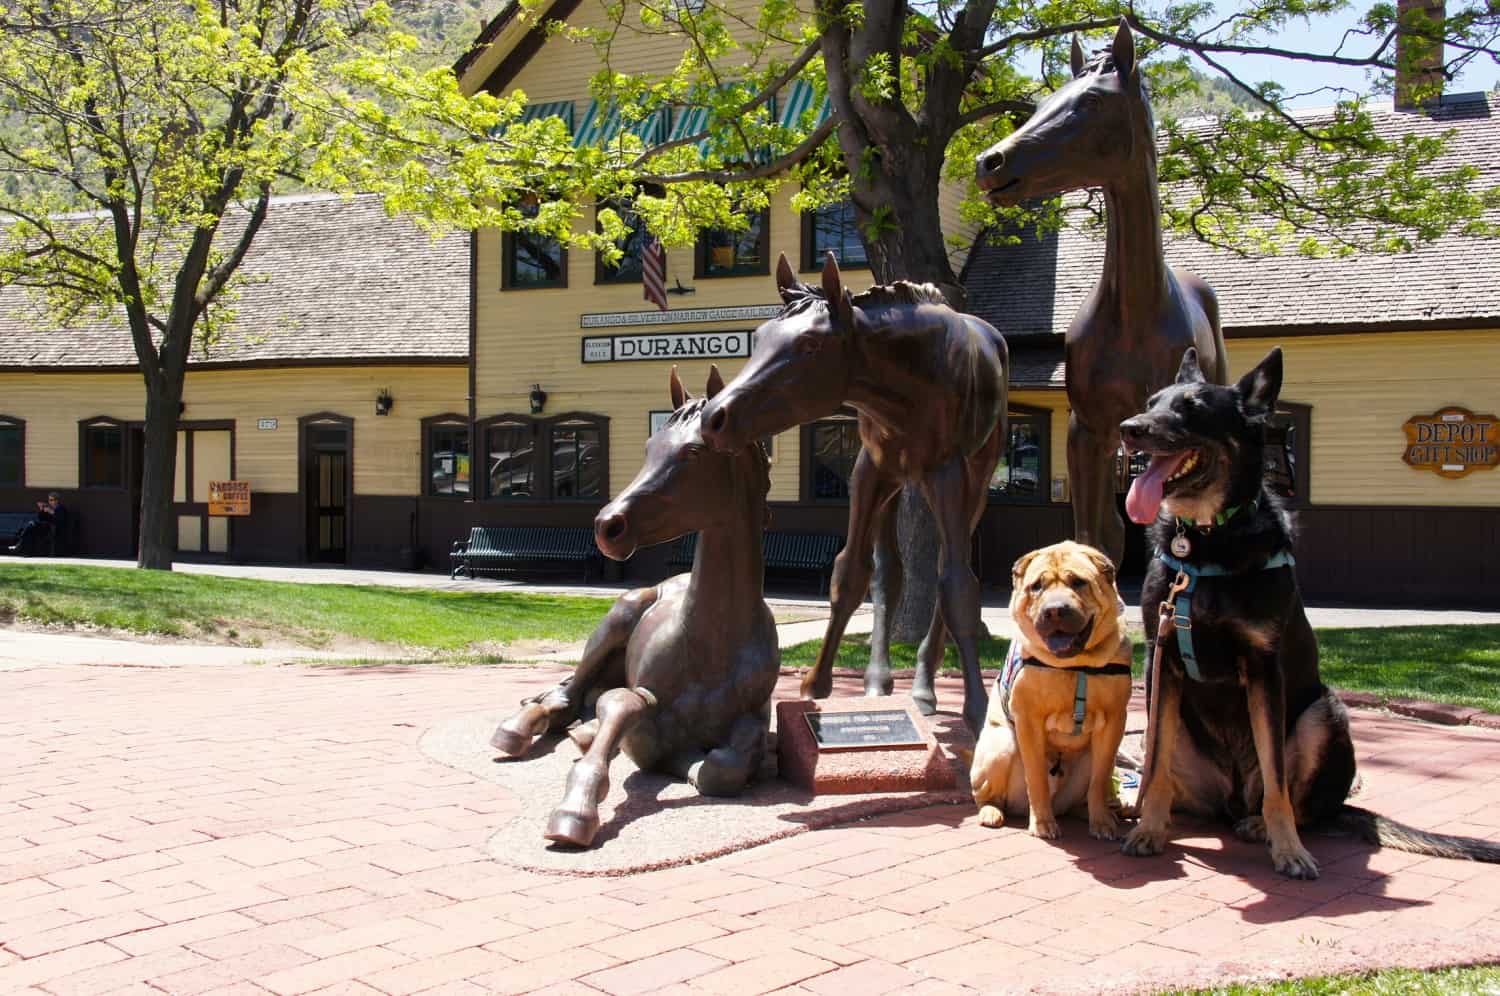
(1144, 499)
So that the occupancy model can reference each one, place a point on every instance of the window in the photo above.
(540, 459)
(831, 445)
(530, 260)
(628, 269)
(12, 452)
(445, 447)
(1286, 452)
(1022, 472)
(102, 452)
(832, 229)
(725, 253)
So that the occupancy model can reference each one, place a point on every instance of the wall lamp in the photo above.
(384, 402)
(538, 399)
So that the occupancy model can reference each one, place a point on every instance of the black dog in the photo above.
(1241, 724)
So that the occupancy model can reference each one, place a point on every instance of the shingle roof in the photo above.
(327, 279)
(1037, 286)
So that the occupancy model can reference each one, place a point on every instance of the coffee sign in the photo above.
(228, 497)
(1452, 442)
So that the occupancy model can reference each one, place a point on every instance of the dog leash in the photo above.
(1177, 610)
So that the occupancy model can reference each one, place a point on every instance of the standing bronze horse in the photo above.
(929, 385)
(686, 669)
(1128, 338)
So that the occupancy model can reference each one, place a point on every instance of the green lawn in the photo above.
(1473, 981)
(1458, 664)
(157, 602)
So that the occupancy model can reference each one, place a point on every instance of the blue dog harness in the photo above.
(1179, 604)
(1012, 667)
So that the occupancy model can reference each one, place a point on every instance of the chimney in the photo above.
(1419, 59)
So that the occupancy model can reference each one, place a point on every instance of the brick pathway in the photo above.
(249, 829)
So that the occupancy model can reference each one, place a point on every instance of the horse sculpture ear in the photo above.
(679, 393)
(785, 278)
(1075, 57)
(840, 304)
(1189, 372)
(1123, 52)
(715, 380)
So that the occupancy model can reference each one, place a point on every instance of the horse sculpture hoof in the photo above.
(926, 702)
(575, 829)
(510, 742)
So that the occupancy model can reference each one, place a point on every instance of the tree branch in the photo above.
(808, 145)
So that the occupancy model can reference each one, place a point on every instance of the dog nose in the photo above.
(1061, 614)
(1132, 429)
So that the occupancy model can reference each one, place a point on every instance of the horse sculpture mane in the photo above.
(901, 292)
(694, 409)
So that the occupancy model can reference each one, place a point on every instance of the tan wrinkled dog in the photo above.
(1041, 744)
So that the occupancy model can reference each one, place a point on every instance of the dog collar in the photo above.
(1221, 517)
(1180, 601)
(1081, 691)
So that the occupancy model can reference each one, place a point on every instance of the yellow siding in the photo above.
(387, 450)
(1362, 388)
(210, 461)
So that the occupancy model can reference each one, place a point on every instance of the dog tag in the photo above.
(1181, 547)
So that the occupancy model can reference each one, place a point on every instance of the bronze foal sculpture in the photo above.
(929, 385)
(1128, 338)
(686, 669)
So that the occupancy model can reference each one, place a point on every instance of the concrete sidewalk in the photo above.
(238, 829)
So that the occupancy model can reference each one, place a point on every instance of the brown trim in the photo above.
(499, 81)
(508, 261)
(700, 254)
(1475, 324)
(487, 34)
(304, 452)
(1043, 494)
(472, 399)
(601, 275)
(1301, 414)
(810, 265)
(424, 479)
(84, 424)
(542, 466)
(8, 422)
(340, 361)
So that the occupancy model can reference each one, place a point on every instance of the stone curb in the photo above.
(1437, 713)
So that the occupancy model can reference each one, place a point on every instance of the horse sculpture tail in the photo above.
(1382, 832)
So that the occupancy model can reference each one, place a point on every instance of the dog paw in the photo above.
(991, 816)
(1045, 828)
(1125, 811)
(1105, 827)
(1293, 861)
(1145, 841)
(1252, 829)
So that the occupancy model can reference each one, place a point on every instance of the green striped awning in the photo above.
(690, 121)
(601, 125)
(798, 99)
(557, 109)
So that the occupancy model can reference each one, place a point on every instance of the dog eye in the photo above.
(1036, 587)
(1078, 584)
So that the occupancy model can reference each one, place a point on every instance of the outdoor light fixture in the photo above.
(384, 402)
(538, 399)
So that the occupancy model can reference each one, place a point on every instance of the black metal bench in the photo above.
(491, 549)
(11, 524)
(782, 551)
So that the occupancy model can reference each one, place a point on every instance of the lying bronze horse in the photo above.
(1128, 338)
(929, 385)
(686, 668)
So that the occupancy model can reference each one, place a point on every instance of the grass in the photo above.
(172, 604)
(1470, 981)
(1457, 664)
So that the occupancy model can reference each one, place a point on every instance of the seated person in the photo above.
(49, 523)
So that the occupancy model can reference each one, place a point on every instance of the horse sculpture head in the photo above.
(801, 366)
(1089, 133)
(685, 485)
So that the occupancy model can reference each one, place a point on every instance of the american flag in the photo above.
(654, 272)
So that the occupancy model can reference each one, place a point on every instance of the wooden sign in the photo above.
(865, 730)
(228, 497)
(1452, 442)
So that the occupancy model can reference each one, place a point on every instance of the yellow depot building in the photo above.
(383, 392)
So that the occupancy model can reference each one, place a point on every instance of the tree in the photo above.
(141, 147)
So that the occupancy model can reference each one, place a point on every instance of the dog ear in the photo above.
(680, 396)
(1018, 569)
(1102, 564)
(1189, 372)
(1260, 388)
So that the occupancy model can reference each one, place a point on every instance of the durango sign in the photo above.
(1452, 442)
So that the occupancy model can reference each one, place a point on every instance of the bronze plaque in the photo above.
(883, 729)
(1452, 442)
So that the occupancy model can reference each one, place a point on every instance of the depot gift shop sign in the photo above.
(1452, 442)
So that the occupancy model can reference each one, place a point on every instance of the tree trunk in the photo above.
(158, 478)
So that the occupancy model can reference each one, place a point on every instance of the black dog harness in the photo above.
(1014, 662)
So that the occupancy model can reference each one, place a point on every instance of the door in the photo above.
(327, 479)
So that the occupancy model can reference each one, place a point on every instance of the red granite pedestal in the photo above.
(839, 772)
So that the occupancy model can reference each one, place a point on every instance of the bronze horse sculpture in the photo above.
(685, 669)
(929, 385)
(1128, 337)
